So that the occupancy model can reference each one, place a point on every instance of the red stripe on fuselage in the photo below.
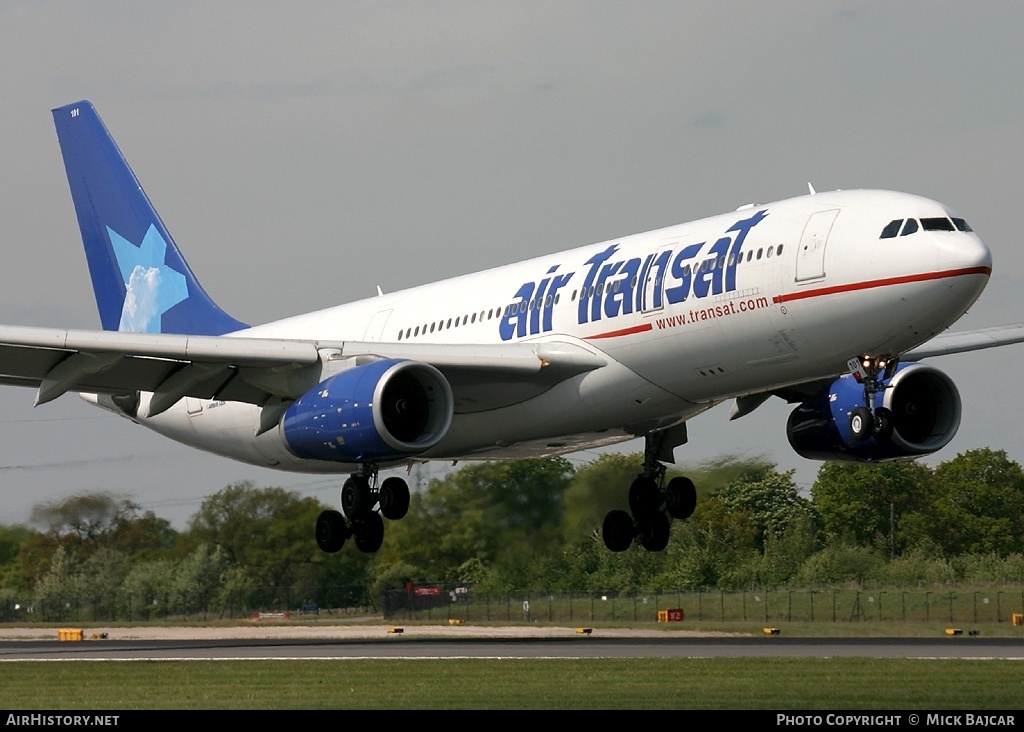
(852, 287)
(869, 284)
(625, 331)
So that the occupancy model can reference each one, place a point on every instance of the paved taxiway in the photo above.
(202, 644)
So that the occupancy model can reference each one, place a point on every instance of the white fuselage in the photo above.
(686, 317)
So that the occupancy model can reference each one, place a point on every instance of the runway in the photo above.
(399, 646)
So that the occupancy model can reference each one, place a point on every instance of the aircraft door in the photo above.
(376, 326)
(810, 259)
(653, 286)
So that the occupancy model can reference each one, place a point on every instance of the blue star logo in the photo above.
(151, 287)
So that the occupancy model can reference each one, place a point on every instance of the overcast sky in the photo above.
(303, 153)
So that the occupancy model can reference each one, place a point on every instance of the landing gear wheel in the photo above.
(862, 424)
(356, 499)
(369, 533)
(331, 531)
(883, 423)
(394, 498)
(653, 532)
(644, 497)
(680, 498)
(618, 531)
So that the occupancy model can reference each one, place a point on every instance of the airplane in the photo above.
(829, 300)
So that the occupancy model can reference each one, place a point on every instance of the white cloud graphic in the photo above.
(140, 302)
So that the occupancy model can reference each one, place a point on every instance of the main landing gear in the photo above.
(870, 421)
(363, 503)
(651, 507)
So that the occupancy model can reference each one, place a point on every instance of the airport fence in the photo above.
(460, 604)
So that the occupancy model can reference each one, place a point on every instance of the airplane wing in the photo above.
(948, 343)
(255, 370)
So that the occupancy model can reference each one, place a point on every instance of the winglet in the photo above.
(140, 280)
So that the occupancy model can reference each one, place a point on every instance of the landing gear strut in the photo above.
(652, 506)
(871, 421)
(360, 501)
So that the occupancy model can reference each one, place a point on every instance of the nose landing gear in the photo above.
(871, 421)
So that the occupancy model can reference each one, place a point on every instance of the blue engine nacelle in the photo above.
(925, 408)
(381, 411)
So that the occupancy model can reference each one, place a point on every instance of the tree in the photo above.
(881, 505)
(269, 532)
(597, 488)
(770, 499)
(981, 504)
(85, 516)
(12, 540)
(90, 520)
(505, 514)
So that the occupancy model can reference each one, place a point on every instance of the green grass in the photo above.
(755, 683)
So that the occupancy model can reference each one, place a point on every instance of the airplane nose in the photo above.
(964, 251)
(969, 261)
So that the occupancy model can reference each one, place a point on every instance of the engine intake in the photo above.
(385, 410)
(925, 407)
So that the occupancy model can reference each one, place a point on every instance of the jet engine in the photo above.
(377, 412)
(920, 408)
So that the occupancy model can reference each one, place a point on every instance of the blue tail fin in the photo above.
(141, 282)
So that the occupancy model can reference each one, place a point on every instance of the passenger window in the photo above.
(778, 251)
(910, 227)
(891, 229)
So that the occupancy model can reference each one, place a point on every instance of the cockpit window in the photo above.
(937, 224)
(891, 229)
(909, 226)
